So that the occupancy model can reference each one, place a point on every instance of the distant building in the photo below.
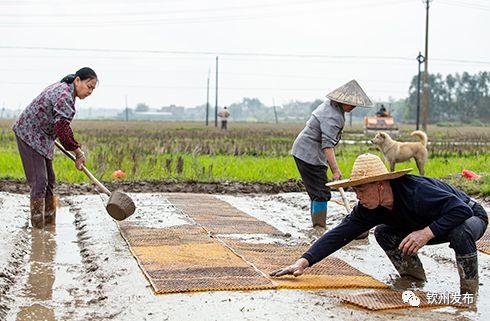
(177, 111)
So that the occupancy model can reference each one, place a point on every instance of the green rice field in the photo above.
(247, 152)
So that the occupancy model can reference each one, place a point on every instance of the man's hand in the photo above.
(415, 240)
(296, 269)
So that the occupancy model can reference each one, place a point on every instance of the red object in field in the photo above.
(118, 174)
(469, 174)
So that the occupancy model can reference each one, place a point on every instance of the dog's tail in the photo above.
(421, 135)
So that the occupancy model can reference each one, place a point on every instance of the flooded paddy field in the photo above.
(82, 269)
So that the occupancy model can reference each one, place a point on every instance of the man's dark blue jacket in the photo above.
(418, 202)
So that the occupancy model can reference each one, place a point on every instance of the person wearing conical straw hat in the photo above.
(313, 148)
(409, 212)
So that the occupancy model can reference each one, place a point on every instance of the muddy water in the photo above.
(86, 271)
(53, 273)
(35, 300)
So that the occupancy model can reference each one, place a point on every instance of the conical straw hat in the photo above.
(352, 94)
(368, 168)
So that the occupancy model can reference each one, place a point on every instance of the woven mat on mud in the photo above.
(483, 243)
(331, 272)
(217, 216)
(389, 299)
(187, 259)
(192, 258)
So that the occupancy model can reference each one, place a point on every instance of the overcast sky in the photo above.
(160, 52)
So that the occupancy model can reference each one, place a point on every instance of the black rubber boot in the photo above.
(468, 273)
(407, 265)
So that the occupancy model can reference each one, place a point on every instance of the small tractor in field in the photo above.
(383, 121)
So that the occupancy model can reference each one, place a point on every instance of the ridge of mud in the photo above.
(12, 270)
(93, 292)
(228, 187)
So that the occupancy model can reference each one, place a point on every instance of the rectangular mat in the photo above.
(483, 244)
(219, 217)
(389, 299)
(186, 258)
(331, 272)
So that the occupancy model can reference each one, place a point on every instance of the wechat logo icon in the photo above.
(410, 298)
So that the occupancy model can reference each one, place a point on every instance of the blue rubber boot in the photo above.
(318, 213)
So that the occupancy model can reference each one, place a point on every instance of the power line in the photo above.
(469, 5)
(241, 54)
(198, 87)
(207, 53)
(181, 20)
(298, 75)
(166, 12)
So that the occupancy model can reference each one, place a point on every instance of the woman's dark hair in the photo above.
(84, 73)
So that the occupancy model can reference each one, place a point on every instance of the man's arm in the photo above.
(351, 227)
(447, 209)
(452, 212)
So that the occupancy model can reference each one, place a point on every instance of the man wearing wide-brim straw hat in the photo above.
(409, 212)
(313, 148)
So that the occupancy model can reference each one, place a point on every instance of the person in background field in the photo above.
(46, 118)
(314, 146)
(224, 114)
(382, 112)
(409, 212)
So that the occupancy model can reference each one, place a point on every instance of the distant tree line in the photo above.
(454, 98)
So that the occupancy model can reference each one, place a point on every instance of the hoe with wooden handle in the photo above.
(120, 206)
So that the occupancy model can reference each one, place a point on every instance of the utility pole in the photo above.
(275, 111)
(216, 101)
(420, 60)
(207, 102)
(127, 111)
(425, 102)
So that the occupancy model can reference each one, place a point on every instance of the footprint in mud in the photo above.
(81, 233)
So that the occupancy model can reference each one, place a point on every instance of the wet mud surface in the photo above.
(82, 269)
(20, 187)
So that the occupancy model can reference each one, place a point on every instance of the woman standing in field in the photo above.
(46, 118)
(314, 146)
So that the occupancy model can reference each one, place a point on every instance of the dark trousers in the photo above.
(462, 239)
(38, 170)
(224, 124)
(314, 178)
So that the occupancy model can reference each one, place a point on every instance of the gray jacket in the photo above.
(323, 130)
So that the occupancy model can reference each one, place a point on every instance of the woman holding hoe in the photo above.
(314, 146)
(46, 118)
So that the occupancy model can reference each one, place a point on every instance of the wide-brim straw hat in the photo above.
(351, 94)
(368, 168)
